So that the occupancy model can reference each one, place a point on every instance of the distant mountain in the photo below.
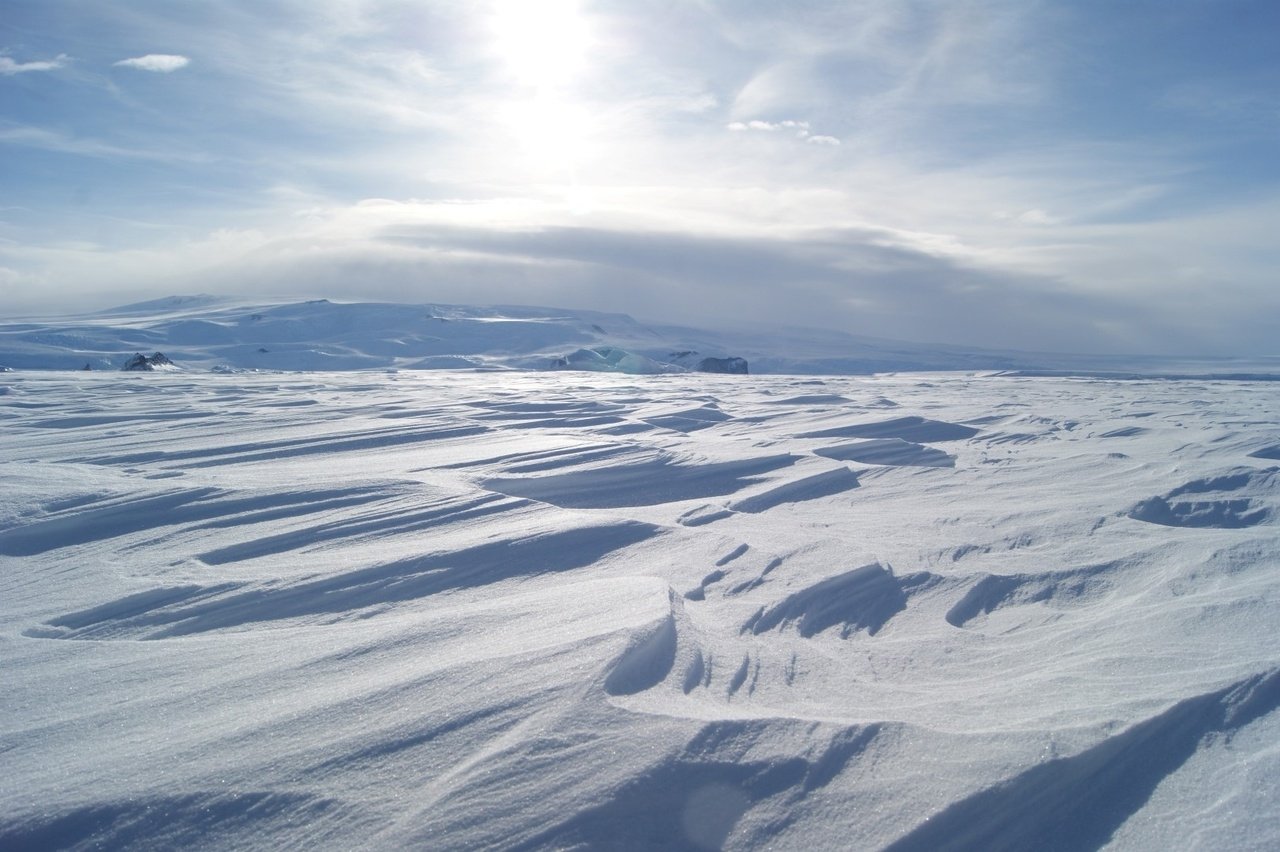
(205, 332)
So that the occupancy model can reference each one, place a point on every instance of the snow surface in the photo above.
(467, 609)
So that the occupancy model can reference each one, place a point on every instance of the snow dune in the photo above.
(554, 610)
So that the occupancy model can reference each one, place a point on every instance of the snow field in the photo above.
(519, 610)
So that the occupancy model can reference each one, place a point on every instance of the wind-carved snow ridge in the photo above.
(817, 486)
(187, 610)
(889, 451)
(914, 429)
(659, 479)
(672, 651)
(900, 442)
(184, 821)
(1232, 500)
(1058, 589)
(728, 781)
(862, 599)
(1077, 803)
(651, 655)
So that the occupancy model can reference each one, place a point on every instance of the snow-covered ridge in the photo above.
(209, 333)
(203, 332)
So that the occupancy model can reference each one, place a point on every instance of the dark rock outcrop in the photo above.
(148, 363)
(732, 365)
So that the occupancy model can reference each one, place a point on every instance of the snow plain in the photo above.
(519, 610)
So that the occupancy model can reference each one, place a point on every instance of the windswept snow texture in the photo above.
(889, 451)
(1237, 498)
(577, 610)
(862, 599)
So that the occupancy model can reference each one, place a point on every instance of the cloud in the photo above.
(9, 67)
(770, 126)
(799, 128)
(1034, 216)
(861, 279)
(47, 140)
(160, 63)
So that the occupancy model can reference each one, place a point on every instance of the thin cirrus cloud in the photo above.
(159, 63)
(48, 140)
(8, 66)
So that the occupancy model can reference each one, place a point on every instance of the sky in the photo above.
(1094, 176)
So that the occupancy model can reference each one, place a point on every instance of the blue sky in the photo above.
(1078, 176)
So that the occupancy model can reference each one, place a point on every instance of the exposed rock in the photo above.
(145, 363)
(732, 365)
(691, 359)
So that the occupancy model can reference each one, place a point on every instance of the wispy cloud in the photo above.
(799, 128)
(160, 63)
(48, 140)
(756, 124)
(9, 67)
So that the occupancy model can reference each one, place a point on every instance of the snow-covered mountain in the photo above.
(205, 332)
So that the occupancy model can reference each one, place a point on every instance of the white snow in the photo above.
(544, 610)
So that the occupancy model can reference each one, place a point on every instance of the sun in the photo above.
(543, 43)
(542, 47)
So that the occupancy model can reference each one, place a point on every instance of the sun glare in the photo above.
(542, 43)
(543, 47)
